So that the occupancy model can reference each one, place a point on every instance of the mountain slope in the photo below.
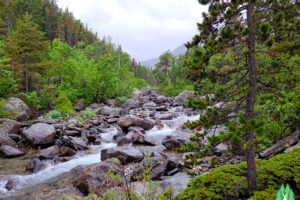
(151, 62)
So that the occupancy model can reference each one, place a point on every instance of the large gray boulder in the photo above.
(8, 127)
(108, 111)
(171, 142)
(10, 152)
(146, 124)
(75, 143)
(136, 137)
(181, 99)
(48, 153)
(40, 134)
(18, 108)
(124, 154)
(132, 103)
(157, 166)
(94, 178)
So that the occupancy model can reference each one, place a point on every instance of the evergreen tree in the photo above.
(238, 25)
(25, 46)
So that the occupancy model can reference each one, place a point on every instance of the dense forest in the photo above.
(47, 56)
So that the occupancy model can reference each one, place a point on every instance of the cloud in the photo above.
(144, 28)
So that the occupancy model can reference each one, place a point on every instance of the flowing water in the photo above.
(53, 171)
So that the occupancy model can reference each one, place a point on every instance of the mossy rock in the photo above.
(229, 182)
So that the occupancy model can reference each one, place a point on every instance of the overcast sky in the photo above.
(144, 28)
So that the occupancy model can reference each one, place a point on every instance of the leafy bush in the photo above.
(54, 114)
(229, 182)
(32, 100)
(62, 103)
(4, 113)
(88, 114)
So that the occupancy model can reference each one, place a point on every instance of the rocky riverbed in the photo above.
(47, 158)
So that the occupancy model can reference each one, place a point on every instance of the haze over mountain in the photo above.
(151, 62)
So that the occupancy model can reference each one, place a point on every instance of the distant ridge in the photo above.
(151, 62)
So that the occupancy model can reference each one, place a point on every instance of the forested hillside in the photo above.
(52, 57)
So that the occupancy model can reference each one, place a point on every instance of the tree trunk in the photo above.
(249, 113)
(26, 75)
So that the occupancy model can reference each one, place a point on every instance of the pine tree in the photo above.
(25, 47)
(233, 28)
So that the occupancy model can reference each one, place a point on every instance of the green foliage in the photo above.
(32, 100)
(229, 182)
(62, 103)
(4, 113)
(88, 114)
(54, 114)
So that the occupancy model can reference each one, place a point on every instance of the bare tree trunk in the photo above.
(249, 113)
(26, 75)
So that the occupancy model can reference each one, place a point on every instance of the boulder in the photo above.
(94, 178)
(162, 108)
(8, 127)
(132, 103)
(40, 134)
(18, 108)
(75, 143)
(11, 184)
(10, 152)
(108, 111)
(181, 99)
(164, 116)
(34, 165)
(221, 148)
(157, 166)
(65, 152)
(161, 99)
(112, 120)
(171, 142)
(125, 122)
(136, 137)
(135, 128)
(79, 106)
(93, 136)
(150, 104)
(124, 154)
(146, 124)
(146, 91)
(48, 153)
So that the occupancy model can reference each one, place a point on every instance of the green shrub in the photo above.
(62, 103)
(4, 113)
(54, 114)
(32, 100)
(121, 99)
(229, 182)
(88, 114)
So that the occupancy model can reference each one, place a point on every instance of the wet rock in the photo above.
(10, 152)
(94, 178)
(40, 134)
(161, 108)
(34, 165)
(108, 111)
(125, 122)
(65, 152)
(71, 133)
(132, 103)
(61, 159)
(75, 143)
(146, 124)
(11, 184)
(136, 137)
(164, 116)
(135, 128)
(48, 153)
(157, 165)
(181, 99)
(18, 108)
(79, 106)
(171, 142)
(119, 135)
(124, 154)
(112, 120)
(15, 137)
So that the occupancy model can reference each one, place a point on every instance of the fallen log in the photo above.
(281, 145)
